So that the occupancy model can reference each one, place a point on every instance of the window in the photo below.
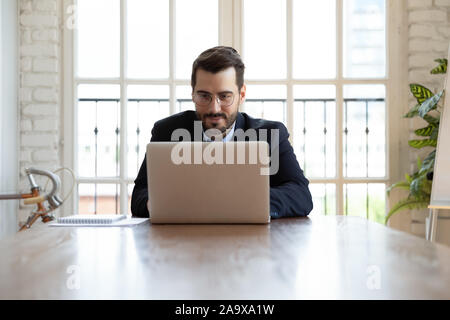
(320, 67)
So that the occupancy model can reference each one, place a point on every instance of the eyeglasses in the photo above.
(203, 99)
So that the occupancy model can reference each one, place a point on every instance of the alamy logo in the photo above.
(213, 153)
(373, 277)
(74, 280)
(71, 22)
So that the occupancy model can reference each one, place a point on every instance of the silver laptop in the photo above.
(208, 182)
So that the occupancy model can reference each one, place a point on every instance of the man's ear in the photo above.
(242, 94)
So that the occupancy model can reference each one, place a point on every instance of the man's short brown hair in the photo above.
(218, 59)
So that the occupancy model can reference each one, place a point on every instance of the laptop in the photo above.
(208, 182)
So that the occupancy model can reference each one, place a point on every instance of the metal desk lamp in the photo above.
(35, 197)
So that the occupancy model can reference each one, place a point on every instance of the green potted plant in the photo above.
(419, 183)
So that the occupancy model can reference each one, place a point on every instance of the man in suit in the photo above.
(218, 90)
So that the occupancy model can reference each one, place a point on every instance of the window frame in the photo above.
(231, 27)
(339, 82)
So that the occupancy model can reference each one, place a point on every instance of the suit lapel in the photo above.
(191, 125)
(240, 122)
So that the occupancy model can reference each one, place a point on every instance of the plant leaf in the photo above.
(425, 132)
(428, 163)
(406, 204)
(401, 185)
(418, 144)
(408, 178)
(414, 111)
(416, 187)
(441, 68)
(420, 92)
(420, 186)
(430, 104)
(426, 189)
(419, 162)
(434, 133)
(431, 119)
(430, 156)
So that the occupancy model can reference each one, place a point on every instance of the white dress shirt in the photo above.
(227, 138)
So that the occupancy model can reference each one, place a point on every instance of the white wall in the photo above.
(8, 115)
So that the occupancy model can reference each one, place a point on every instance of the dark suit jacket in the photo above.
(289, 193)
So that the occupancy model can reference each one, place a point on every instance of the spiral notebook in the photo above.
(91, 219)
(94, 220)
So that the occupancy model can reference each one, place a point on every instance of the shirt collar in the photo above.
(227, 138)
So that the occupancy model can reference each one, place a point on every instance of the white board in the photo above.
(440, 192)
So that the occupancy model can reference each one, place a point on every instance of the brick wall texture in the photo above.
(40, 89)
(429, 34)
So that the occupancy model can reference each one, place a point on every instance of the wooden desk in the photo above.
(319, 257)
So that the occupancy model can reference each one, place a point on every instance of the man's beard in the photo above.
(228, 121)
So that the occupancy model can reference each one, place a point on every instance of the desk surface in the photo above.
(320, 257)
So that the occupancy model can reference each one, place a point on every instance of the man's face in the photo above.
(218, 85)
